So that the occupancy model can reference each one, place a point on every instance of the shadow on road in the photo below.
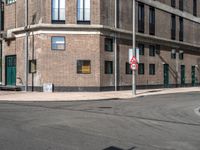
(116, 148)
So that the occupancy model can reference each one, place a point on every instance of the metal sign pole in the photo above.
(134, 71)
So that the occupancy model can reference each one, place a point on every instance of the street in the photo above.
(162, 122)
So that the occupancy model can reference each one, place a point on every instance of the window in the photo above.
(58, 11)
(128, 69)
(83, 11)
(158, 49)
(83, 67)
(173, 27)
(141, 68)
(141, 17)
(32, 66)
(151, 69)
(108, 44)
(108, 67)
(195, 7)
(0, 61)
(152, 21)
(173, 54)
(151, 50)
(2, 16)
(181, 5)
(173, 3)
(10, 1)
(181, 55)
(141, 49)
(58, 43)
(181, 32)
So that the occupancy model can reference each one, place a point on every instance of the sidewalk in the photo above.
(78, 96)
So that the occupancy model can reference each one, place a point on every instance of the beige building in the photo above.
(82, 45)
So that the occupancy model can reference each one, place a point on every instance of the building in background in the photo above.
(82, 45)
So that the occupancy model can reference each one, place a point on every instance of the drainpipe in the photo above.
(115, 42)
(26, 46)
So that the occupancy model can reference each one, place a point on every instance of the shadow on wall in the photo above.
(116, 148)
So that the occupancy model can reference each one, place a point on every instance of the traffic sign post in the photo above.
(133, 63)
(134, 66)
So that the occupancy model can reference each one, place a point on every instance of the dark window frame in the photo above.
(57, 21)
(141, 69)
(32, 70)
(58, 37)
(108, 41)
(152, 20)
(181, 5)
(84, 20)
(152, 69)
(2, 16)
(195, 7)
(173, 27)
(173, 54)
(157, 49)
(141, 14)
(152, 50)
(107, 70)
(80, 63)
(141, 49)
(128, 69)
(181, 29)
(173, 3)
(1, 61)
(181, 55)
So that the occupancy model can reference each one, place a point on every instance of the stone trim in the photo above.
(102, 30)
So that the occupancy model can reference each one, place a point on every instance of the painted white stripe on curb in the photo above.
(197, 111)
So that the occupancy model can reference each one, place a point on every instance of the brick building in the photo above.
(83, 44)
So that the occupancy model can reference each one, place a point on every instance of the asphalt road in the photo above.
(165, 122)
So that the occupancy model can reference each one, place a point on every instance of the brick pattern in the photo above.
(59, 67)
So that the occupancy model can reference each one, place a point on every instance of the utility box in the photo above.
(48, 87)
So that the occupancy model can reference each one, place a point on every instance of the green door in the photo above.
(11, 70)
(193, 75)
(166, 75)
(182, 75)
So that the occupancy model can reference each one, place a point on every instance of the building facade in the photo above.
(82, 45)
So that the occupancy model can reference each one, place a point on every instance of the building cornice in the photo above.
(100, 29)
(169, 9)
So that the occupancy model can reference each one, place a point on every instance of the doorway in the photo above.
(10, 70)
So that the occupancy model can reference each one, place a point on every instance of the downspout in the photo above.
(115, 46)
(26, 46)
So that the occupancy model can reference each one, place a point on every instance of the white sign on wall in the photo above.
(130, 54)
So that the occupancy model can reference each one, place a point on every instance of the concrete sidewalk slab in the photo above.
(78, 96)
